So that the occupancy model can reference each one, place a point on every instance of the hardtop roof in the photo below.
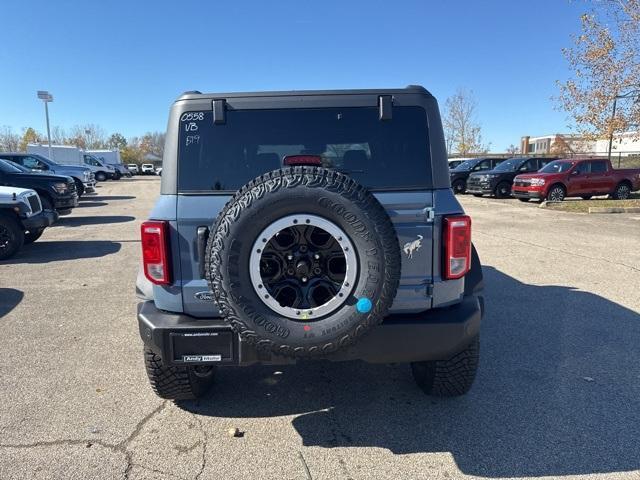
(411, 89)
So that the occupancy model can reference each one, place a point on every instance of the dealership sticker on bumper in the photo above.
(202, 358)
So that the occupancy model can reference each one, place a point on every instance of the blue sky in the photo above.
(120, 64)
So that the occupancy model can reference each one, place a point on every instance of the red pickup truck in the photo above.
(576, 177)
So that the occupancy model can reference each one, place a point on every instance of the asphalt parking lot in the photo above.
(557, 395)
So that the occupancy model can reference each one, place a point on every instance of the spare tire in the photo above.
(302, 261)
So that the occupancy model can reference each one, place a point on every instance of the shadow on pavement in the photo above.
(91, 204)
(46, 252)
(9, 299)
(106, 198)
(94, 220)
(558, 392)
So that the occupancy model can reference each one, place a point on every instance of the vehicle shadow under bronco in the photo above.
(533, 412)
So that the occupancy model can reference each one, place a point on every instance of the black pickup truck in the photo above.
(56, 191)
(499, 180)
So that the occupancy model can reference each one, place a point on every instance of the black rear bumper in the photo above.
(436, 334)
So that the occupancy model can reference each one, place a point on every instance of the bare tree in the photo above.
(87, 136)
(58, 135)
(9, 141)
(605, 60)
(462, 130)
(513, 150)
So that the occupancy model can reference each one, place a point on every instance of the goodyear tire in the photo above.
(303, 261)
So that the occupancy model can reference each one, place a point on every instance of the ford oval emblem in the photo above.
(204, 296)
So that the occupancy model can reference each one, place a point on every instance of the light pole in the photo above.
(46, 97)
(631, 94)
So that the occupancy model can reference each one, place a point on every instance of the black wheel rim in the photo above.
(303, 266)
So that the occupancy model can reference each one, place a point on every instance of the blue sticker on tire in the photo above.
(363, 305)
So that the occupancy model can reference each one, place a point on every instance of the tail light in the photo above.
(155, 251)
(457, 246)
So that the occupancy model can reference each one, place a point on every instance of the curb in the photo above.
(614, 209)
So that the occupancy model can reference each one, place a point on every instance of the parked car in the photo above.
(22, 219)
(577, 178)
(499, 180)
(55, 191)
(148, 169)
(121, 171)
(352, 247)
(82, 176)
(460, 174)
(453, 163)
(70, 155)
(133, 168)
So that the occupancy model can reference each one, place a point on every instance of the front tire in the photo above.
(503, 190)
(101, 177)
(11, 237)
(79, 187)
(177, 383)
(451, 377)
(33, 236)
(556, 193)
(459, 187)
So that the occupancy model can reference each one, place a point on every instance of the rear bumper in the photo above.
(41, 220)
(436, 334)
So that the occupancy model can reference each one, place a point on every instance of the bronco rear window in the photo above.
(389, 154)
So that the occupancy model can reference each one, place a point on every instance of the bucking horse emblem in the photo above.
(411, 247)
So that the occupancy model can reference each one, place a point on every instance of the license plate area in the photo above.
(200, 348)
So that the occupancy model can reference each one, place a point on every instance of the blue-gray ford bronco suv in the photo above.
(308, 224)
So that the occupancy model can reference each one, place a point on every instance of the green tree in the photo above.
(29, 135)
(117, 140)
(131, 154)
(605, 63)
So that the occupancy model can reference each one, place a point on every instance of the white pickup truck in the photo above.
(22, 219)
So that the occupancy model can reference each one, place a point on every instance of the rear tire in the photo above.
(621, 192)
(451, 377)
(33, 236)
(176, 383)
(11, 236)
